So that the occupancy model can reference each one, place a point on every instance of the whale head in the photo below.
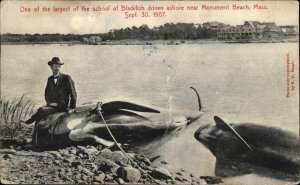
(221, 138)
(249, 146)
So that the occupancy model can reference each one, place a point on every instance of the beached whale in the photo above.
(251, 144)
(129, 123)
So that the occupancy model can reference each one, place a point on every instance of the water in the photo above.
(238, 82)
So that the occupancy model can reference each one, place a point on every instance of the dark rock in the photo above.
(179, 179)
(129, 174)
(198, 180)
(40, 174)
(69, 174)
(68, 160)
(164, 162)
(68, 169)
(179, 173)
(91, 150)
(8, 156)
(76, 163)
(80, 150)
(117, 157)
(65, 178)
(161, 173)
(24, 167)
(143, 159)
(201, 181)
(64, 152)
(169, 181)
(99, 178)
(78, 147)
(211, 179)
(71, 148)
(87, 172)
(84, 178)
(79, 153)
(143, 165)
(57, 162)
(73, 151)
(91, 166)
(192, 175)
(149, 169)
(184, 176)
(106, 165)
(81, 182)
(79, 168)
(61, 175)
(154, 158)
(99, 147)
(187, 179)
(77, 176)
(55, 154)
(108, 178)
(120, 181)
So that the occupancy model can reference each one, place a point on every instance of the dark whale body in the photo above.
(130, 123)
(268, 147)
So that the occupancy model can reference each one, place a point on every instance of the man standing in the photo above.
(60, 93)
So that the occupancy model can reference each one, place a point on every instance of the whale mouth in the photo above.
(201, 134)
(202, 127)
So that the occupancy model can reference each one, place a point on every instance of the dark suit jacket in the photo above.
(62, 92)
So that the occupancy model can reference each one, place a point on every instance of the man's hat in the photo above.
(55, 60)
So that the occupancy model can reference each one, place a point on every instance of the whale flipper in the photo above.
(116, 105)
(126, 113)
(226, 127)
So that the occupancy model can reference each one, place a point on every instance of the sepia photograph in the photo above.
(149, 92)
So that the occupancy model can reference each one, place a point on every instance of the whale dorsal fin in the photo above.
(225, 126)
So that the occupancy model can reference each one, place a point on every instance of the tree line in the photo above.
(168, 31)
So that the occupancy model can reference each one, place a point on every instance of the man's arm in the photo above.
(47, 93)
(73, 93)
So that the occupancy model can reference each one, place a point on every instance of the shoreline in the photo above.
(157, 42)
(91, 164)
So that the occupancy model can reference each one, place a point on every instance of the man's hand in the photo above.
(53, 104)
(71, 111)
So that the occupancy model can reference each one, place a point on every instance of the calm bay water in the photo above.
(238, 82)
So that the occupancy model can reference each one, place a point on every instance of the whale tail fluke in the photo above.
(198, 97)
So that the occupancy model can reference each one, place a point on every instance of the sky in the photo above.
(78, 22)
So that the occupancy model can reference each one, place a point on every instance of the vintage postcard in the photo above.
(149, 92)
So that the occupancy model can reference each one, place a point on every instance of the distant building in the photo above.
(289, 30)
(255, 30)
(230, 32)
(85, 40)
(271, 30)
(214, 26)
(249, 30)
(92, 39)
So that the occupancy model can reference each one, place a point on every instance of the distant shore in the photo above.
(156, 42)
